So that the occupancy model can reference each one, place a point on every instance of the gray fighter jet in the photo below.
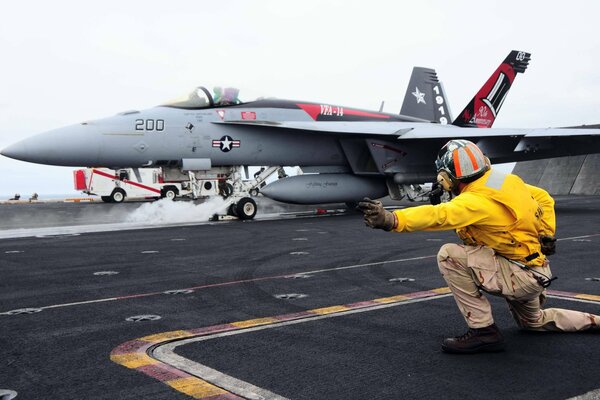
(356, 153)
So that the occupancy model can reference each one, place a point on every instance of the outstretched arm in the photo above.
(464, 210)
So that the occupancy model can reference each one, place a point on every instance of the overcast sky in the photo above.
(64, 62)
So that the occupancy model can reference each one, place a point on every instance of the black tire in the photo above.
(225, 189)
(118, 195)
(169, 192)
(246, 208)
(232, 210)
(106, 199)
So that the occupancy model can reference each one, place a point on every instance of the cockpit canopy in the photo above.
(201, 97)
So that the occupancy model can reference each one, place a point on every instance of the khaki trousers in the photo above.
(468, 270)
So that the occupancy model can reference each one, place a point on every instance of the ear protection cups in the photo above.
(446, 181)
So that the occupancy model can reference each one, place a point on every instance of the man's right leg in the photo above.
(454, 262)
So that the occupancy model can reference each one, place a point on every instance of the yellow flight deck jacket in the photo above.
(497, 210)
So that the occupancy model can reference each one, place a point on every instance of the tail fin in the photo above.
(483, 109)
(425, 97)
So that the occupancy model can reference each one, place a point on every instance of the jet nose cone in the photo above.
(69, 146)
(18, 151)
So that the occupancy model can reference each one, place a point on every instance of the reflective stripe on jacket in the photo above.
(497, 210)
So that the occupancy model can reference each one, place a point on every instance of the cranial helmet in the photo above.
(460, 161)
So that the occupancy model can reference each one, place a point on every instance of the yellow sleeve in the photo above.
(546, 204)
(463, 210)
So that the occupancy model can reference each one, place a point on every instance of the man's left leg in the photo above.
(527, 298)
(529, 315)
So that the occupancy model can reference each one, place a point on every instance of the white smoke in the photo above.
(166, 211)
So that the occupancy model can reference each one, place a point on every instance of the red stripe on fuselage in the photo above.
(315, 110)
(311, 109)
(365, 114)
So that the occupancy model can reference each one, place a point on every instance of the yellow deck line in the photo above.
(588, 297)
(254, 322)
(392, 299)
(329, 310)
(161, 337)
(195, 387)
(133, 360)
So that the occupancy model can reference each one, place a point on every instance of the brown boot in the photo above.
(488, 339)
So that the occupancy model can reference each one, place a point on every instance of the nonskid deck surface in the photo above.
(304, 308)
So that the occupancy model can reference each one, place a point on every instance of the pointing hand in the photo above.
(376, 216)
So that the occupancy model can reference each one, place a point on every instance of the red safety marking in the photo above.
(79, 176)
(251, 115)
(101, 173)
(104, 174)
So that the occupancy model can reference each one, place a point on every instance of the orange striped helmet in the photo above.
(462, 160)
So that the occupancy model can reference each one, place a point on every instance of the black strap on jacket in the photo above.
(532, 256)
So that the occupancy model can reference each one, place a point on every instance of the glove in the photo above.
(548, 244)
(376, 216)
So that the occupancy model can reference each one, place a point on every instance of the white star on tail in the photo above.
(420, 96)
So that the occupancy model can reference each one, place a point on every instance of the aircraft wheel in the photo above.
(232, 210)
(253, 192)
(246, 208)
(106, 199)
(225, 189)
(118, 195)
(169, 193)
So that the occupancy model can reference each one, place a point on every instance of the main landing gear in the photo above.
(237, 192)
(244, 209)
(243, 205)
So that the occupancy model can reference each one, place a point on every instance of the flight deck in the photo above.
(297, 304)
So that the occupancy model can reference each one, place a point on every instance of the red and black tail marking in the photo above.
(482, 110)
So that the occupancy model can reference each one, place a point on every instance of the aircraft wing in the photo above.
(411, 130)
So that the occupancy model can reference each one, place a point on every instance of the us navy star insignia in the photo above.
(420, 96)
(226, 143)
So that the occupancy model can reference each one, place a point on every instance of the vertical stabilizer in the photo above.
(482, 110)
(425, 97)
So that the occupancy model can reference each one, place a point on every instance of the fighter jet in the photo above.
(356, 152)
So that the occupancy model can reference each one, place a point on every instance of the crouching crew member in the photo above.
(507, 228)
